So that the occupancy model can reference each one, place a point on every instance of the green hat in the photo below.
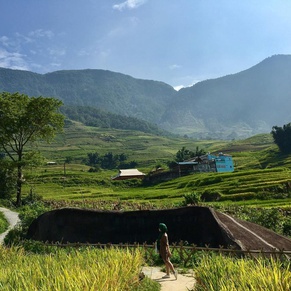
(163, 227)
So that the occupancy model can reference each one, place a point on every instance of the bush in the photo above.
(31, 198)
(287, 227)
(269, 218)
(210, 195)
(27, 214)
(192, 199)
(94, 169)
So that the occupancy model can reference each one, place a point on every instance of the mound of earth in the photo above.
(196, 225)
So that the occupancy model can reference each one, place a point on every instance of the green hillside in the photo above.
(231, 107)
(262, 176)
(109, 91)
(241, 104)
(91, 116)
(148, 149)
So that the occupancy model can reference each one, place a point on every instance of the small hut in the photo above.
(128, 174)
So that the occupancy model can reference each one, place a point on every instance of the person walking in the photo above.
(164, 250)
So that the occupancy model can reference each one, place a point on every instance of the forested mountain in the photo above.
(109, 91)
(233, 106)
(91, 116)
(241, 104)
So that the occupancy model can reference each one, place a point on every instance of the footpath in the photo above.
(185, 282)
(12, 218)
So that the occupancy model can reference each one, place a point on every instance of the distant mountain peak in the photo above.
(240, 104)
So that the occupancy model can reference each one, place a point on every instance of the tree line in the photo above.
(108, 161)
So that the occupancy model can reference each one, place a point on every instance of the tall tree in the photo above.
(23, 121)
(282, 137)
(7, 178)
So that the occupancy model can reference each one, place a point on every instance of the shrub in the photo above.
(192, 199)
(31, 198)
(210, 195)
(27, 214)
(287, 227)
(269, 218)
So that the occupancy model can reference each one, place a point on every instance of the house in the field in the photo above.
(128, 174)
(207, 163)
(223, 162)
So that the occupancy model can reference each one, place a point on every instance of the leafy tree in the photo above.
(185, 154)
(93, 159)
(199, 152)
(23, 121)
(68, 160)
(282, 137)
(7, 178)
(108, 161)
(129, 165)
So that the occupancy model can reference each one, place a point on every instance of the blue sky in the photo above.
(179, 42)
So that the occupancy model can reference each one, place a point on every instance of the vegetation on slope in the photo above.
(91, 116)
(230, 107)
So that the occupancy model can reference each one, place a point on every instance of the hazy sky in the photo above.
(178, 42)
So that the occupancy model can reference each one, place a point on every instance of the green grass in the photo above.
(79, 140)
(260, 175)
(78, 184)
(3, 223)
(222, 273)
(72, 269)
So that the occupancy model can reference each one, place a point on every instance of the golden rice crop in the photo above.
(87, 269)
(219, 273)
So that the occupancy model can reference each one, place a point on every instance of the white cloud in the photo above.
(4, 40)
(174, 67)
(130, 4)
(41, 33)
(12, 60)
(116, 32)
(56, 52)
(55, 65)
(31, 50)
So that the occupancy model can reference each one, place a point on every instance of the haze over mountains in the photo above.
(229, 107)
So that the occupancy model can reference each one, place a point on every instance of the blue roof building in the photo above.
(208, 163)
(223, 163)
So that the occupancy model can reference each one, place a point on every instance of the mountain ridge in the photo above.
(229, 107)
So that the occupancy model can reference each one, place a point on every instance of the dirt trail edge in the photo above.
(184, 282)
(12, 218)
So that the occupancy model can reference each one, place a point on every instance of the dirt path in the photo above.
(12, 218)
(184, 282)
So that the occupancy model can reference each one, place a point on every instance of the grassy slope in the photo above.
(258, 168)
